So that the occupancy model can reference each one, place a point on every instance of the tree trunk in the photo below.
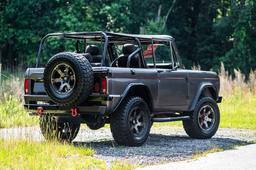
(168, 14)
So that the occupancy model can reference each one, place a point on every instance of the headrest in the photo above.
(128, 49)
(92, 49)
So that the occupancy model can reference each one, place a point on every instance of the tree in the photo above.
(242, 55)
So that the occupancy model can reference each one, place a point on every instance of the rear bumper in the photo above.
(103, 106)
(59, 110)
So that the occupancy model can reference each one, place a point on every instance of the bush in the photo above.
(12, 112)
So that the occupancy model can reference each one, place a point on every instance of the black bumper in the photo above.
(56, 109)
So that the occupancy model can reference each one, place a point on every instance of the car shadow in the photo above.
(174, 147)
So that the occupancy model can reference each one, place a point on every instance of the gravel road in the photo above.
(165, 144)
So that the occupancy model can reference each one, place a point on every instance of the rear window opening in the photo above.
(92, 50)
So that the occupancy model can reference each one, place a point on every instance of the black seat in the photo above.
(123, 59)
(95, 53)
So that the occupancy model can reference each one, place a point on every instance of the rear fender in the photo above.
(203, 86)
(129, 89)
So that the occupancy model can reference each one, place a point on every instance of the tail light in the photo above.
(100, 85)
(26, 86)
(104, 85)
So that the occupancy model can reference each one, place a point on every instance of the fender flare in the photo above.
(202, 87)
(127, 90)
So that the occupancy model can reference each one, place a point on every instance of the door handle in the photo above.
(132, 72)
(160, 71)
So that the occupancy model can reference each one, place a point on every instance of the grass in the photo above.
(13, 113)
(122, 165)
(239, 110)
(29, 155)
(46, 155)
(200, 154)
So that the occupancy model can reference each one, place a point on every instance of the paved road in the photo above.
(241, 158)
(165, 144)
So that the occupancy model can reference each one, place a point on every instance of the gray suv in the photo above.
(126, 80)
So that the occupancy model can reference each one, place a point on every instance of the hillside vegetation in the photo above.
(207, 32)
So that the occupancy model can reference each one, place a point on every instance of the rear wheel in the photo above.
(62, 129)
(204, 120)
(131, 123)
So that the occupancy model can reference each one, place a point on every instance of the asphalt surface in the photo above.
(240, 158)
(165, 144)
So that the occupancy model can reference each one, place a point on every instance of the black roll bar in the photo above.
(73, 35)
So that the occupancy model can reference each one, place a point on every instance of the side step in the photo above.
(170, 119)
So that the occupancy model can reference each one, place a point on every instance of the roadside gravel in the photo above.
(165, 143)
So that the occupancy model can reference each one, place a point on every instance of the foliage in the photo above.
(207, 32)
(46, 155)
(200, 154)
(243, 53)
(11, 104)
(239, 100)
(14, 114)
(238, 110)
(122, 165)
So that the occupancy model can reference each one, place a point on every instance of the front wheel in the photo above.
(131, 123)
(62, 129)
(204, 120)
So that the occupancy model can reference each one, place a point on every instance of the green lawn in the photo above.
(239, 110)
(29, 155)
(46, 155)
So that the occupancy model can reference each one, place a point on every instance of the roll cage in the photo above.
(111, 38)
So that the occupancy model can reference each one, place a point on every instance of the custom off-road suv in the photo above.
(129, 81)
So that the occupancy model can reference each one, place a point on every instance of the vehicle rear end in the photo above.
(65, 82)
(38, 102)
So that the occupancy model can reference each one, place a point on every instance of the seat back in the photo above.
(128, 49)
(95, 53)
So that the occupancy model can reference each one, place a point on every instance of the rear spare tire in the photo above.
(68, 78)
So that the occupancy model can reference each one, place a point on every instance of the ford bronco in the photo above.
(126, 80)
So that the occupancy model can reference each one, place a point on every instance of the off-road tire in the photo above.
(96, 123)
(193, 127)
(84, 78)
(52, 128)
(94, 126)
(120, 122)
